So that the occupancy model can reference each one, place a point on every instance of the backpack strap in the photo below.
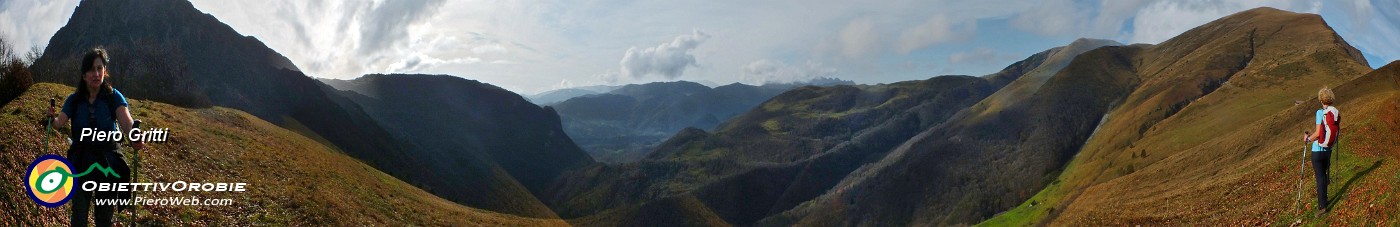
(72, 105)
(112, 106)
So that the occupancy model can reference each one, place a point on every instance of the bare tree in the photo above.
(34, 53)
(7, 50)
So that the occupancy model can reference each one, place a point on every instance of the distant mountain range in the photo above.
(625, 123)
(552, 97)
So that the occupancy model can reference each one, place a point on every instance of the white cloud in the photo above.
(1112, 19)
(765, 71)
(387, 22)
(1053, 17)
(563, 83)
(419, 62)
(531, 44)
(520, 43)
(1367, 24)
(668, 60)
(30, 23)
(1163, 20)
(1136, 21)
(979, 56)
(342, 39)
(1150, 26)
(490, 48)
(938, 29)
(858, 38)
(1370, 27)
(607, 78)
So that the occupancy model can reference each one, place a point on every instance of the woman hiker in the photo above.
(97, 106)
(1323, 137)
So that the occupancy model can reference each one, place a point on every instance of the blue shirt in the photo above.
(1321, 114)
(98, 115)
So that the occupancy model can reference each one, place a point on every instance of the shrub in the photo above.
(15, 76)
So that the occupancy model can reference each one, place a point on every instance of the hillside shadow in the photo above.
(1347, 187)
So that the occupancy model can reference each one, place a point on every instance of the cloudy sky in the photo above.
(535, 46)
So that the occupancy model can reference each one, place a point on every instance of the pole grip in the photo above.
(46, 114)
(135, 124)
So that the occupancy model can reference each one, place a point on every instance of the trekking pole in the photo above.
(135, 168)
(1302, 173)
(48, 127)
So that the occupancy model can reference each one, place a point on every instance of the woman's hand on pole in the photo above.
(56, 119)
(136, 124)
(50, 114)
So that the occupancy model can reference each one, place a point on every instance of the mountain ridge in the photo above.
(469, 132)
(168, 51)
(626, 123)
(700, 164)
(160, 44)
(1237, 72)
(218, 144)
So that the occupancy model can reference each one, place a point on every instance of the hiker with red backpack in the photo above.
(1323, 138)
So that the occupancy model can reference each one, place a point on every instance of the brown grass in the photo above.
(1211, 136)
(293, 180)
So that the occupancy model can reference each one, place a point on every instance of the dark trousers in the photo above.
(1321, 160)
(82, 202)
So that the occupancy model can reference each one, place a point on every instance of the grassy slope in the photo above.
(293, 180)
(956, 172)
(1028, 84)
(737, 178)
(1247, 176)
(810, 120)
(673, 211)
(1166, 140)
(486, 147)
(842, 126)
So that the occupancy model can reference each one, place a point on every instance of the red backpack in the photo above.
(1331, 126)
